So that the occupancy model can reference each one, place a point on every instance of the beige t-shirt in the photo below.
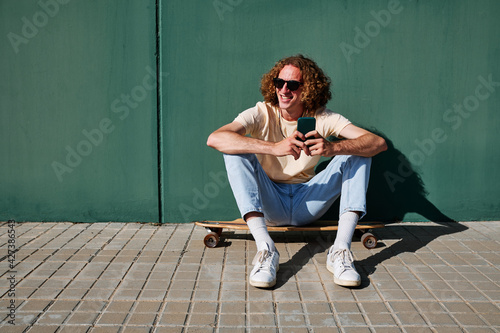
(263, 122)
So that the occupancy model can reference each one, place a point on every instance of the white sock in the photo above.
(258, 228)
(347, 225)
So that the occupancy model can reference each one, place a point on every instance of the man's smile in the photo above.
(285, 98)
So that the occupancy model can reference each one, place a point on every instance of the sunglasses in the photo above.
(292, 84)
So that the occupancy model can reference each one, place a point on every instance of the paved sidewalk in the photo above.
(130, 277)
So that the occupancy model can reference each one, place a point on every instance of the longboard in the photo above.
(215, 229)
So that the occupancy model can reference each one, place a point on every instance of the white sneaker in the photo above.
(266, 264)
(340, 263)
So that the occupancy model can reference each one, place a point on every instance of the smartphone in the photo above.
(306, 124)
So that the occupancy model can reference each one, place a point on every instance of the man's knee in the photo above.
(239, 159)
(358, 162)
(350, 161)
(360, 159)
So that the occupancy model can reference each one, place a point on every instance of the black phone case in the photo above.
(306, 124)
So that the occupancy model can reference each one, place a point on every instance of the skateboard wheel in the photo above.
(211, 239)
(369, 240)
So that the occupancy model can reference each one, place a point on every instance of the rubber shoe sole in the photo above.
(344, 283)
(261, 284)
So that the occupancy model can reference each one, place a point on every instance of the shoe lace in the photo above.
(260, 257)
(264, 258)
(345, 258)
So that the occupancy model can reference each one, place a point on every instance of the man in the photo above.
(271, 171)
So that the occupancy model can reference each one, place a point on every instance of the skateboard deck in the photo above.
(215, 229)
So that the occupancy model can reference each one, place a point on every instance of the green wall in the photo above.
(74, 147)
(86, 136)
(398, 67)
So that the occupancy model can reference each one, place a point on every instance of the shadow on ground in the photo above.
(395, 189)
(410, 238)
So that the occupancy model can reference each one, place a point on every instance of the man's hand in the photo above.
(290, 146)
(311, 144)
(316, 145)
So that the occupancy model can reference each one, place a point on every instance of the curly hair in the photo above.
(316, 89)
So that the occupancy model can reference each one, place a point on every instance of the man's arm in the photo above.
(358, 141)
(231, 139)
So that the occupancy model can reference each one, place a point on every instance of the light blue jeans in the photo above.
(298, 204)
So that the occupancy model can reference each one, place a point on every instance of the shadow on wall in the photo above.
(395, 189)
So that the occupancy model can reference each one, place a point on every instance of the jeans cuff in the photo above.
(361, 210)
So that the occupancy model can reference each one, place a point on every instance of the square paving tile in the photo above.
(139, 277)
